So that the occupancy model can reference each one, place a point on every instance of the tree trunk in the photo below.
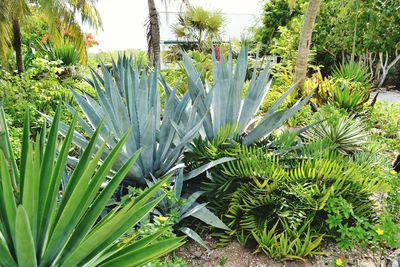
(386, 66)
(153, 35)
(300, 70)
(17, 44)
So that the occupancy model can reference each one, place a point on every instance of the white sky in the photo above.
(124, 20)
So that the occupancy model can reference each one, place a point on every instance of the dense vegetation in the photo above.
(107, 160)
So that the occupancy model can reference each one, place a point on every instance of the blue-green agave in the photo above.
(129, 99)
(223, 104)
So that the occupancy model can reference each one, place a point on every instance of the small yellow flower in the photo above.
(339, 262)
(393, 172)
(379, 231)
(164, 185)
(162, 218)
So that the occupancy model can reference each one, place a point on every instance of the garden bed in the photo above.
(235, 255)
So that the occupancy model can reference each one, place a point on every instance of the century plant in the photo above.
(42, 225)
(230, 106)
(129, 99)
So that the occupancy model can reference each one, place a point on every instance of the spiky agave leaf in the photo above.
(38, 227)
(228, 107)
(128, 98)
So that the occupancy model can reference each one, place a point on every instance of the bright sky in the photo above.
(124, 20)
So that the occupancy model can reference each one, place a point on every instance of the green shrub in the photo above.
(353, 72)
(348, 135)
(277, 195)
(42, 226)
(37, 89)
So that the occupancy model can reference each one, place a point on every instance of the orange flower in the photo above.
(45, 38)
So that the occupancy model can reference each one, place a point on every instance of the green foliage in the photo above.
(174, 262)
(276, 13)
(42, 226)
(343, 93)
(347, 134)
(199, 25)
(66, 53)
(353, 230)
(354, 72)
(279, 200)
(223, 260)
(107, 57)
(39, 88)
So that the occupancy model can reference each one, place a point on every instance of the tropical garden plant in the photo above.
(230, 106)
(199, 25)
(41, 225)
(128, 98)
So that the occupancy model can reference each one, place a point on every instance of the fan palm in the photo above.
(199, 24)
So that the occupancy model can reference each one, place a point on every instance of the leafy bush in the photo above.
(342, 93)
(42, 226)
(66, 53)
(38, 88)
(277, 195)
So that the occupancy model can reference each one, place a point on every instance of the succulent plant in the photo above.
(228, 106)
(40, 226)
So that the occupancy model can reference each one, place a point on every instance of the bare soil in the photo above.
(234, 255)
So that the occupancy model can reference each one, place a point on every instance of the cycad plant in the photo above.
(230, 105)
(43, 226)
(280, 201)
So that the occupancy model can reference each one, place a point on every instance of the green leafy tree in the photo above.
(61, 16)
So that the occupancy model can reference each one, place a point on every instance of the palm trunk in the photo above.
(17, 44)
(153, 35)
(305, 42)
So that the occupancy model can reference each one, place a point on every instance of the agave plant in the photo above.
(188, 207)
(228, 107)
(39, 226)
(128, 99)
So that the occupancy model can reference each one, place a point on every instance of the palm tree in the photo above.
(11, 15)
(153, 31)
(305, 41)
(61, 15)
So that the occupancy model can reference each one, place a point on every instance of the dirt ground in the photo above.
(235, 255)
